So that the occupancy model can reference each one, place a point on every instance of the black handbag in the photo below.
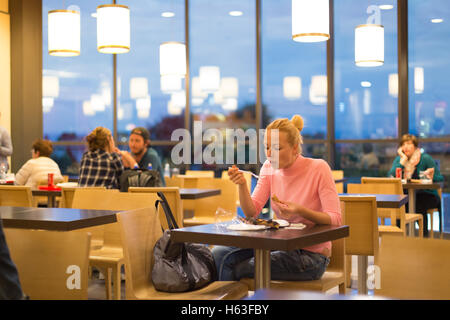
(139, 178)
(178, 266)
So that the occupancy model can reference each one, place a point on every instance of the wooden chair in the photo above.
(333, 276)
(172, 195)
(67, 194)
(338, 174)
(414, 268)
(140, 230)
(109, 258)
(174, 181)
(360, 214)
(200, 173)
(16, 196)
(394, 186)
(205, 209)
(431, 213)
(52, 265)
(248, 178)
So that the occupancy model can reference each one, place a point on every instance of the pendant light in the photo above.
(113, 28)
(369, 40)
(209, 78)
(310, 20)
(64, 33)
(292, 88)
(172, 59)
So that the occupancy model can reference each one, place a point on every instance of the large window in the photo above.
(365, 97)
(143, 100)
(429, 66)
(294, 74)
(77, 91)
(223, 63)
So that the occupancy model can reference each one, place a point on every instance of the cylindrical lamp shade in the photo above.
(318, 91)
(172, 59)
(63, 33)
(138, 88)
(369, 45)
(209, 79)
(113, 28)
(50, 86)
(229, 87)
(230, 104)
(197, 90)
(419, 80)
(393, 85)
(310, 20)
(292, 88)
(170, 83)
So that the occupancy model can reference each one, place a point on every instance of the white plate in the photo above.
(67, 184)
(281, 222)
(426, 181)
(247, 227)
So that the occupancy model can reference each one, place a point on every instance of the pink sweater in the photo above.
(308, 182)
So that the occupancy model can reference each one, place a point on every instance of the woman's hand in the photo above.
(236, 176)
(403, 157)
(288, 207)
(429, 173)
(127, 159)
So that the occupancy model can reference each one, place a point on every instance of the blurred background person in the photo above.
(412, 162)
(35, 171)
(369, 160)
(101, 165)
(6, 148)
(141, 152)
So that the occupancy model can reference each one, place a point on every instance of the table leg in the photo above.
(51, 201)
(362, 274)
(412, 208)
(262, 269)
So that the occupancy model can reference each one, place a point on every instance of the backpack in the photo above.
(180, 267)
(139, 178)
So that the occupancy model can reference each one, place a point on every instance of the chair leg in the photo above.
(421, 226)
(431, 212)
(108, 284)
(342, 288)
(348, 270)
(117, 282)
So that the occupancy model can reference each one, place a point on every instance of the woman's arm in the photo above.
(245, 199)
(295, 208)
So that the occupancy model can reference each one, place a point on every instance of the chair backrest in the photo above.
(67, 194)
(337, 260)
(16, 196)
(226, 200)
(174, 181)
(360, 214)
(98, 199)
(384, 185)
(200, 173)
(172, 195)
(140, 229)
(338, 174)
(414, 268)
(52, 265)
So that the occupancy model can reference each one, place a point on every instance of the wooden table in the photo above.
(261, 241)
(279, 294)
(50, 194)
(387, 201)
(192, 193)
(56, 219)
(412, 187)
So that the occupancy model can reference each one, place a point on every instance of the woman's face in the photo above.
(280, 153)
(408, 148)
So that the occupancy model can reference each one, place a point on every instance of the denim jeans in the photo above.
(10, 288)
(298, 265)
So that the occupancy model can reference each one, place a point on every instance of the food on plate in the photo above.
(270, 223)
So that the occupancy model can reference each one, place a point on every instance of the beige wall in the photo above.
(5, 66)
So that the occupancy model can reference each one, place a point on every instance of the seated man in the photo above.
(141, 153)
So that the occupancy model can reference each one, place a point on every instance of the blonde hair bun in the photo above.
(297, 121)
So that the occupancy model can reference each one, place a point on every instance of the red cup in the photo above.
(398, 172)
(50, 180)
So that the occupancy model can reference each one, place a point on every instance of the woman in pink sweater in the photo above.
(304, 192)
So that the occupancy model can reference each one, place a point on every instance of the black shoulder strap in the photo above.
(172, 223)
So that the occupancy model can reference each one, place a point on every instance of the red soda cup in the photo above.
(50, 180)
(398, 172)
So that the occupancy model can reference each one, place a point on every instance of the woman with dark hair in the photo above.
(101, 165)
(412, 162)
(37, 169)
